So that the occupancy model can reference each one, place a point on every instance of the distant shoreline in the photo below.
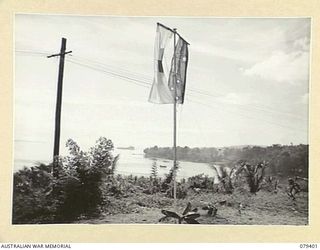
(288, 160)
(126, 148)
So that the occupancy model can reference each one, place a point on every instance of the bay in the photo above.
(133, 162)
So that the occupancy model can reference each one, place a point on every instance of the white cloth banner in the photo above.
(160, 92)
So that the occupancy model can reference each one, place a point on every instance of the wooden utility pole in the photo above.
(59, 101)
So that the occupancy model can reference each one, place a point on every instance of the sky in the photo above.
(247, 82)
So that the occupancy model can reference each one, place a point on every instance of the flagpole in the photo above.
(174, 119)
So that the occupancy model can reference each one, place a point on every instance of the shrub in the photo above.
(77, 185)
(154, 170)
(168, 181)
(32, 201)
(201, 181)
(254, 175)
(182, 191)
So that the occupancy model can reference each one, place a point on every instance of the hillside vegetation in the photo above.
(284, 160)
(84, 188)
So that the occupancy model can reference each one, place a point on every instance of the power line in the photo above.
(149, 78)
(241, 105)
(247, 116)
(40, 53)
(136, 79)
(132, 80)
(148, 81)
(111, 67)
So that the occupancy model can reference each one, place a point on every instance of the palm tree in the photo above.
(254, 175)
(225, 177)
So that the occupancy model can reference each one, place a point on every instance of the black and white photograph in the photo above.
(161, 120)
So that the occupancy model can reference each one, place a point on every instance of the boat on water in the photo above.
(126, 148)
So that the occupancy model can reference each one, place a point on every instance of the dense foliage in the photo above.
(254, 175)
(284, 160)
(75, 187)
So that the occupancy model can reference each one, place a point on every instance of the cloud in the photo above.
(236, 98)
(292, 67)
(243, 40)
(224, 52)
(302, 44)
(240, 47)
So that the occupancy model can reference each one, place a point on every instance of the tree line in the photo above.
(283, 160)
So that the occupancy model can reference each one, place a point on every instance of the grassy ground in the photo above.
(263, 208)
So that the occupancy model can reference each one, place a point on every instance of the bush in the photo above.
(182, 191)
(201, 181)
(77, 186)
(32, 199)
